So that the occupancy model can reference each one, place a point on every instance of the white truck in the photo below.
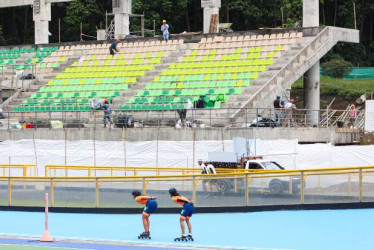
(275, 185)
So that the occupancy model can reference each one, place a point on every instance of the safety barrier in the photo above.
(354, 184)
(74, 117)
(18, 170)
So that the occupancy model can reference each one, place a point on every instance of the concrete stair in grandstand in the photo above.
(150, 75)
(313, 48)
(42, 78)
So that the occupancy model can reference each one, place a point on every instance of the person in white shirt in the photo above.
(289, 107)
(203, 171)
(211, 170)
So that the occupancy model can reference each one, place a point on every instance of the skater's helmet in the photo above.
(136, 193)
(173, 191)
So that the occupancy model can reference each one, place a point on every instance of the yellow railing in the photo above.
(26, 169)
(239, 188)
(67, 170)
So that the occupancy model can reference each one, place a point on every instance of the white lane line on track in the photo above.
(153, 243)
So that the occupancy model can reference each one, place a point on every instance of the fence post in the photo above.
(52, 193)
(144, 186)
(360, 183)
(97, 193)
(247, 190)
(302, 187)
(194, 185)
(9, 192)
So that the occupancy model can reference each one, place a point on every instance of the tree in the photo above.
(87, 12)
(2, 40)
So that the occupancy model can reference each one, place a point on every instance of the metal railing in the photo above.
(113, 171)
(70, 116)
(331, 185)
(17, 170)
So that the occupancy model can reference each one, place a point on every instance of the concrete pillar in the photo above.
(42, 16)
(311, 77)
(122, 12)
(310, 13)
(210, 7)
(100, 34)
(312, 94)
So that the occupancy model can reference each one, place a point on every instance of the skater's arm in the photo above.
(183, 200)
(145, 198)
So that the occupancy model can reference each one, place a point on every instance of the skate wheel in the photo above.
(139, 237)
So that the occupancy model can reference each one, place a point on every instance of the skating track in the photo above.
(309, 230)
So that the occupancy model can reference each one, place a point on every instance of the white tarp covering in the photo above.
(175, 154)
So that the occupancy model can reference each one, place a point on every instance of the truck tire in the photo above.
(224, 186)
(275, 187)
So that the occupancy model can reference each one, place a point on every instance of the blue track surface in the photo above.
(324, 229)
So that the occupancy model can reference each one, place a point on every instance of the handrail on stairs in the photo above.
(282, 70)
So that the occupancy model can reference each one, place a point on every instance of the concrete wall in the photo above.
(150, 134)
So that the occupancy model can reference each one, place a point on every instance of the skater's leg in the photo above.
(189, 225)
(146, 222)
(182, 219)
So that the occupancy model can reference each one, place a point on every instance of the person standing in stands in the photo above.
(113, 48)
(277, 109)
(200, 104)
(165, 30)
(352, 115)
(289, 108)
(107, 111)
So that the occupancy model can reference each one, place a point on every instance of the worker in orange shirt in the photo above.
(150, 207)
(187, 211)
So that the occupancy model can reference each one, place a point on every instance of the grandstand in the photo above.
(236, 70)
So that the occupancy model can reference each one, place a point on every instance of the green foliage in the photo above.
(187, 15)
(349, 89)
(89, 12)
(2, 40)
(336, 68)
(292, 11)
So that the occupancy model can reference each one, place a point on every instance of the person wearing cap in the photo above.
(165, 30)
(113, 48)
(352, 115)
(212, 182)
(204, 170)
(277, 108)
(107, 111)
(187, 211)
(150, 207)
